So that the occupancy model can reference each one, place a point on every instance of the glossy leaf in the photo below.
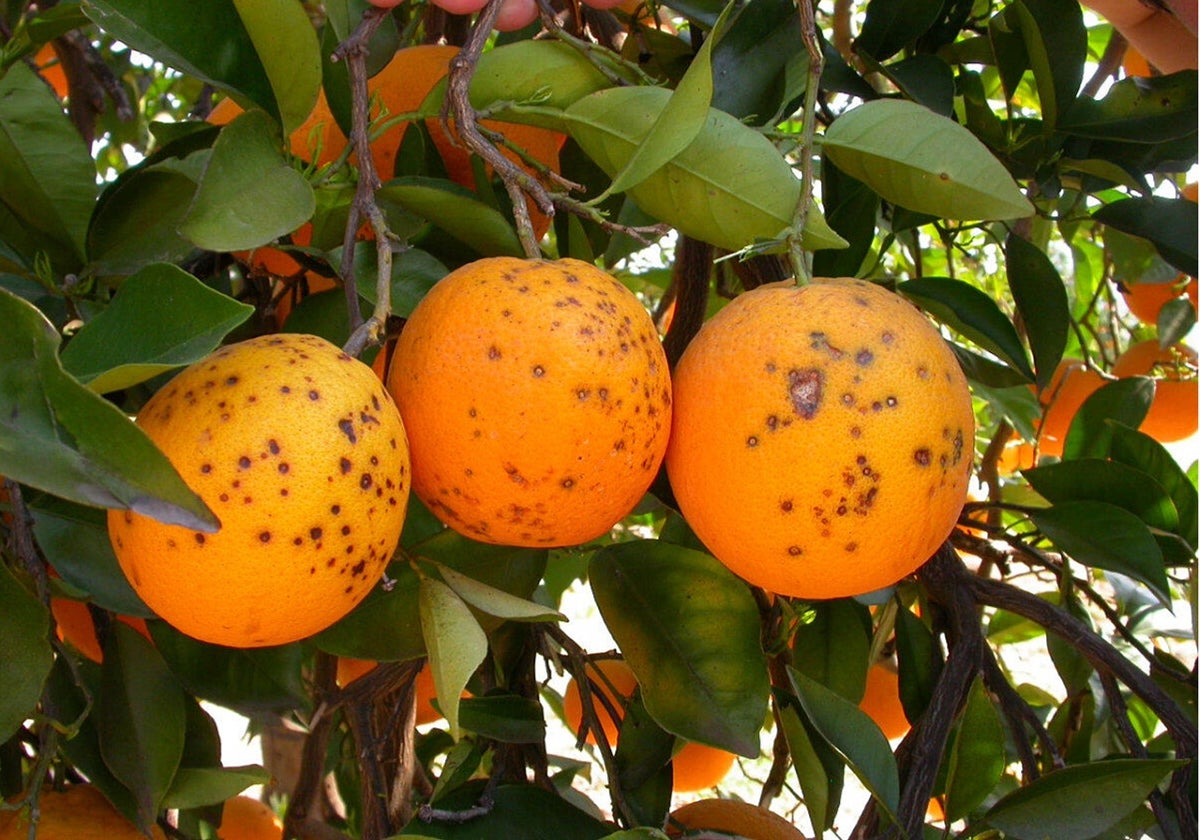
(833, 647)
(1041, 298)
(689, 630)
(26, 654)
(922, 161)
(457, 211)
(60, 437)
(971, 312)
(1140, 110)
(455, 641)
(819, 769)
(496, 602)
(47, 178)
(1104, 536)
(1098, 480)
(1125, 401)
(180, 321)
(890, 25)
(1147, 455)
(976, 758)
(730, 187)
(1168, 223)
(517, 812)
(141, 719)
(1100, 794)
(248, 194)
(854, 736)
(755, 61)
(193, 787)
(1056, 44)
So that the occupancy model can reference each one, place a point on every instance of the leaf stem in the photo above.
(801, 260)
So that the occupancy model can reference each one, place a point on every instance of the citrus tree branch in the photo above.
(801, 261)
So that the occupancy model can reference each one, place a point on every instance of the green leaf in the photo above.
(925, 79)
(819, 770)
(891, 25)
(194, 787)
(1104, 536)
(508, 718)
(854, 736)
(455, 641)
(689, 630)
(286, 43)
(925, 162)
(47, 178)
(1041, 298)
(1138, 110)
(414, 272)
(1168, 223)
(920, 664)
(552, 74)
(25, 653)
(141, 719)
(730, 187)
(1123, 402)
(1100, 794)
(759, 67)
(518, 812)
(1056, 44)
(972, 313)
(834, 646)
(643, 761)
(179, 321)
(494, 601)
(976, 759)
(1147, 455)
(60, 437)
(457, 211)
(1097, 480)
(249, 194)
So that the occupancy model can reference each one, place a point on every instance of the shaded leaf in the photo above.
(25, 653)
(689, 630)
(890, 25)
(920, 664)
(1105, 536)
(508, 718)
(179, 321)
(1168, 223)
(1097, 480)
(58, 436)
(1056, 44)
(455, 641)
(754, 59)
(976, 759)
(518, 812)
(832, 648)
(1041, 298)
(1137, 109)
(925, 162)
(457, 211)
(193, 787)
(1147, 455)
(819, 769)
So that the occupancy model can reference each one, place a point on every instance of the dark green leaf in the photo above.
(755, 59)
(518, 812)
(925, 162)
(60, 437)
(976, 759)
(891, 25)
(1147, 455)
(1056, 44)
(1169, 223)
(851, 208)
(919, 661)
(819, 769)
(1175, 320)
(1105, 536)
(1093, 479)
(179, 320)
(414, 272)
(643, 759)
(834, 646)
(503, 717)
(47, 178)
(972, 313)
(1075, 671)
(248, 194)
(689, 630)
(1100, 794)
(141, 718)
(456, 210)
(730, 187)
(925, 79)
(1138, 110)
(1124, 402)
(1041, 298)
(25, 654)
(854, 736)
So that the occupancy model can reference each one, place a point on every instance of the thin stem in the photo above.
(801, 260)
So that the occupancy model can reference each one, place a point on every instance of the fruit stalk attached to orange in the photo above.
(537, 400)
(822, 438)
(301, 454)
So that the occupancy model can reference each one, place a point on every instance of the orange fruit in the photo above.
(1072, 383)
(1017, 455)
(537, 400)
(881, 701)
(299, 451)
(74, 621)
(50, 68)
(822, 437)
(348, 670)
(247, 818)
(1173, 414)
(78, 813)
(1146, 299)
(1135, 64)
(731, 817)
(695, 767)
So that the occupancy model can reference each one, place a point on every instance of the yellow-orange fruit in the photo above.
(51, 69)
(1072, 383)
(246, 818)
(822, 438)
(1145, 300)
(537, 400)
(741, 819)
(301, 454)
(1173, 414)
(695, 767)
(79, 812)
(881, 701)
(1017, 455)
(75, 627)
(348, 670)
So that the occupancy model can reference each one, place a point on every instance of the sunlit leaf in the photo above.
(494, 601)
(455, 641)
(1056, 44)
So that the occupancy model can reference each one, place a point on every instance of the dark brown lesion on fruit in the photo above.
(786, 505)
(804, 391)
(493, 352)
(345, 466)
(347, 428)
(820, 341)
(244, 462)
(923, 457)
(864, 357)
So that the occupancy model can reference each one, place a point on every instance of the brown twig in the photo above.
(1019, 715)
